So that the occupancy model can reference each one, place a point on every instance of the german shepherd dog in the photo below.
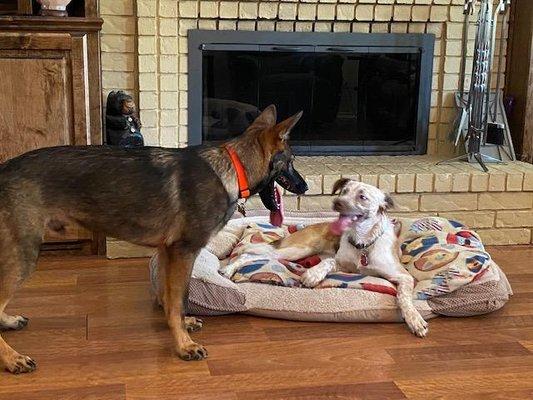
(171, 199)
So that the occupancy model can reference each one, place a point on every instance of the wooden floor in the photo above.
(95, 335)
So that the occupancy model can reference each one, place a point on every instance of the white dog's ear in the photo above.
(388, 203)
(337, 186)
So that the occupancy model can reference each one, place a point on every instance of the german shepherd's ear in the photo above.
(283, 129)
(267, 118)
(337, 186)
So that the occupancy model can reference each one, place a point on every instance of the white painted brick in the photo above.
(208, 9)
(118, 62)
(326, 12)
(399, 27)
(208, 24)
(168, 27)
(147, 63)
(110, 7)
(268, 10)
(505, 201)
(287, 11)
(417, 27)
(148, 100)
(145, 8)
(448, 202)
(402, 13)
(438, 14)
(119, 25)
(169, 8)
(149, 118)
(380, 27)
(303, 27)
(346, 12)
(187, 9)
(147, 45)
(246, 25)
(169, 100)
(364, 12)
(361, 27)
(229, 9)
(420, 13)
(456, 14)
(383, 13)
(435, 28)
(118, 43)
(168, 82)
(268, 26)
(322, 27)
(285, 26)
(184, 25)
(506, 236)
(227, 25)
(248, 10)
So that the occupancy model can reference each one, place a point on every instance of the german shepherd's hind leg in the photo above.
(19, 249)
(178, 263)
(12, 361)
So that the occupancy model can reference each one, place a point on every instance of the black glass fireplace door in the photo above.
(354, 100)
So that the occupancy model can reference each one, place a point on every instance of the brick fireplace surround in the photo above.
(144, 51)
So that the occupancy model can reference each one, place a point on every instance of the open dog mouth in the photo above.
(273, 201)
(344, 222)
(271, 197)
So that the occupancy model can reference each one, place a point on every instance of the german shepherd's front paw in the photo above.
(193, 324)
(21, 364)
(13, 322)
(192, 352)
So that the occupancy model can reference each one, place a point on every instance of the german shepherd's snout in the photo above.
(172, 199)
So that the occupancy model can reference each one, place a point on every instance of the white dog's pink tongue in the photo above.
(276, 217)
(340, 225)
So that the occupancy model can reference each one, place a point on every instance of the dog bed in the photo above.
(454, 275)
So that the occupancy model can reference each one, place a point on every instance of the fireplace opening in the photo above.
(360, 93)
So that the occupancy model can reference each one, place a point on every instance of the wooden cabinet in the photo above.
(50, 93)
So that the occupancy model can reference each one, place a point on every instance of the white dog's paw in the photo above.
(417, 324)
(312, 277)
(226, 271)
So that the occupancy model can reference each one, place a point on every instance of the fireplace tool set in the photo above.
(482, 122)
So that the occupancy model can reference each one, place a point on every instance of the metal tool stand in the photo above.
(479, 107)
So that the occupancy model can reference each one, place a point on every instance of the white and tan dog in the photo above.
(361, 240)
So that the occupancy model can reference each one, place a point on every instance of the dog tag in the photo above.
(364, 259)
(241, 209)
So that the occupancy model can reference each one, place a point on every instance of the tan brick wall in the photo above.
(162, 49)
(502, 214)
(119, 46)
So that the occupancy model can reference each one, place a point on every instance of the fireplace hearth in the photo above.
(361, 93)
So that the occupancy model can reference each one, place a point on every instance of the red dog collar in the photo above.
(244, 191)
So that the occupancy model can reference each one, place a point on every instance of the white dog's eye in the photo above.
(363, 197)
(344, 191)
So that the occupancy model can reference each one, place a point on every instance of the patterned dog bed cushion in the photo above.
(441, 255)
(213, 294)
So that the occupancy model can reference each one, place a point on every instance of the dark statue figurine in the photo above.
(123, 127)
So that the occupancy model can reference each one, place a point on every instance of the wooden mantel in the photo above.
(50, 24)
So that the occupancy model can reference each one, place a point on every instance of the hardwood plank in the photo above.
(96, 392)
(459, 352)
(93, 325)
(361, 391)
(466, 385)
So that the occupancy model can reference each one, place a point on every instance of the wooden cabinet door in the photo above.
(43, 100)
(35, 107)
